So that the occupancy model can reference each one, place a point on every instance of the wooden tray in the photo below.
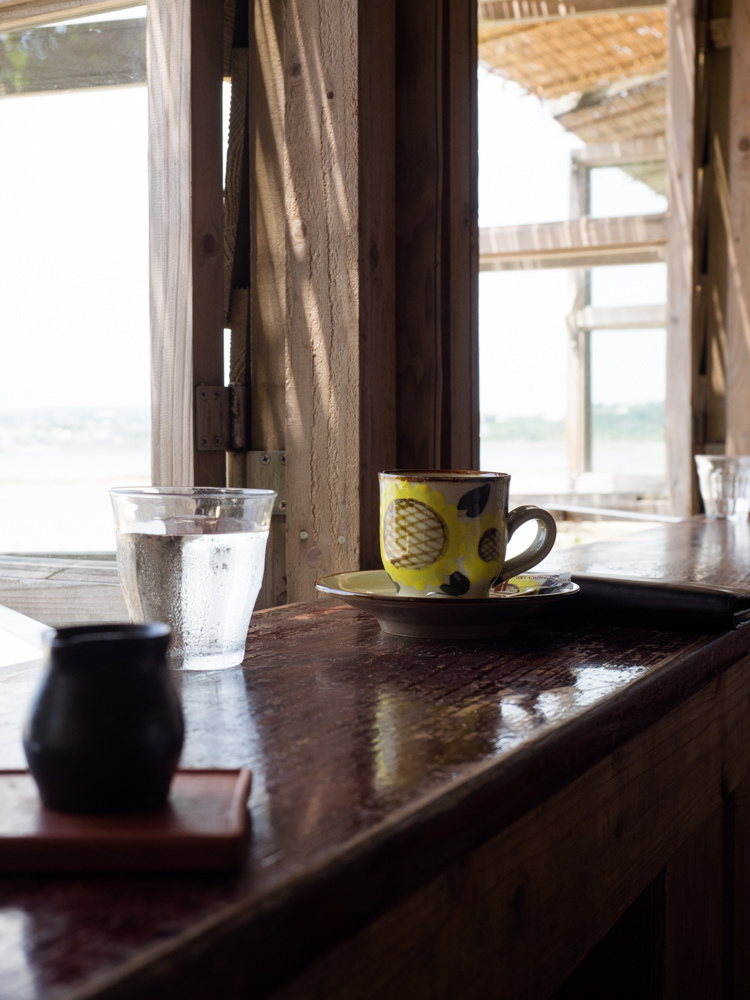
(202, 827)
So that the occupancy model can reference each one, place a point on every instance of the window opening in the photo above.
(74, 312)
(572, 203)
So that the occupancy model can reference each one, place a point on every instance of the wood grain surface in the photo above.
(379, 764)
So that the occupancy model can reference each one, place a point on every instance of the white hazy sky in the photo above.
(74, 258)
(524, 177)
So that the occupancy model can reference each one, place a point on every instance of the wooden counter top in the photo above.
(377, 762)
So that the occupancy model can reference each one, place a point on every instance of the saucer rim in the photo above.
(570, 588)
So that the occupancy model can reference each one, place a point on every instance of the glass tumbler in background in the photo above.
(193, 557)
(725, 485)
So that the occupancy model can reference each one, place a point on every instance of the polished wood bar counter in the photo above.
(511, 818)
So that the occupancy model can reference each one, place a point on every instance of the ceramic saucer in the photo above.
(446, 617)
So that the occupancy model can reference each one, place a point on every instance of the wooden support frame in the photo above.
(184, 41)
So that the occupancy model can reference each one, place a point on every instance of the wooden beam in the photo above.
(621, 318)
(184, 59)
(736, 199)
(552, 10)
(573, 243)
(74, 56)
(24, 13)
(680, 260)
(615, 154)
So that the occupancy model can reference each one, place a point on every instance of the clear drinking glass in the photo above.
(725, 485)
(193, 557)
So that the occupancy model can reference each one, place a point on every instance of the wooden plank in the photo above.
(460, 426)
(720, 29)
(63, 591)
(609, 154)
(23, 13)
(628, 961)
(268, 311)
(435, 234)
(184, 57)
(740, 890)
(377, 276)
(694, 932)
(578, 415)
(419, 218)
(56, 60)
(738, 239)
(712, 362)
(680, 184)
(323, 320)
(168, 63)
(556, 240)
(577, 258)
(621, 317)
(207, 211)
(476, 929)
(551, 10)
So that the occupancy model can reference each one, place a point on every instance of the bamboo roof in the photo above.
(612, 68)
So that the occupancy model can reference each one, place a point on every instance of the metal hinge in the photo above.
(220, 418)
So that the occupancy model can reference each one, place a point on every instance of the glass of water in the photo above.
(193, 557)
(725, 485)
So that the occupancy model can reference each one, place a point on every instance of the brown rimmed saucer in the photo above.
(445, 617)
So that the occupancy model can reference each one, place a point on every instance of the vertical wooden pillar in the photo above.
(578, 420)
(340, 375)
(437, 234)
(268, 261)
(184, 59)
(680, 261)
(738, 239)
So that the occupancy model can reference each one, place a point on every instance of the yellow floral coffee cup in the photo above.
(444, 533)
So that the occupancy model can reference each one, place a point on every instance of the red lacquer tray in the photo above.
(202, 827)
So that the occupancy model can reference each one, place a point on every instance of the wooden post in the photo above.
(738, 239)
(184, 61)
(680, 259)
(578, 422)
(437, 234)
(338, 60)
(268, 259)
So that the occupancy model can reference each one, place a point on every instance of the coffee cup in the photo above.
(444, 533)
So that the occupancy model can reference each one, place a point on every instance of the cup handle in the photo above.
(541, 546)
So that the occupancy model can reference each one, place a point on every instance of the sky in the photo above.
(74, 275)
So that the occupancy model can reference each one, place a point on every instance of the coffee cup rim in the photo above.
(437, 475)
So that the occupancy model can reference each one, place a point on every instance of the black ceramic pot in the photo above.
(105, 729)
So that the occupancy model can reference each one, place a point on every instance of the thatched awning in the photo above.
(612, 66)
